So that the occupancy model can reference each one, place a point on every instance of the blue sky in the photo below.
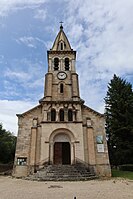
(100, 31)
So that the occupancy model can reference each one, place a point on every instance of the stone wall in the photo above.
(94, 126)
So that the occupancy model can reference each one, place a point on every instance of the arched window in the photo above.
(61, 115)
(53, 115)
(61, 88)
(56, 63)
(70, 115)
(66, 63)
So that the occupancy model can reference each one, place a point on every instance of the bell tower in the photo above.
(61, 81)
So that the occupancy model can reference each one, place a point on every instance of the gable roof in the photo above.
(91, 110)
(29, 111)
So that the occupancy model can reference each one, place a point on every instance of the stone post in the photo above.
(51, 152)
(75, 86)
(33, 147)
(38, 143)
(48, 85)
(72, 153)
(65, 114)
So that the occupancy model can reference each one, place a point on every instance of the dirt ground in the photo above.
(96, 189)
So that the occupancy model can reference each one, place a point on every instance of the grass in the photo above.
(122, 174)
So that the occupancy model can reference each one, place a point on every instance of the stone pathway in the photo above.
(94, 189)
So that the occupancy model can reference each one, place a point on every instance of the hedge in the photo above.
(126, 167)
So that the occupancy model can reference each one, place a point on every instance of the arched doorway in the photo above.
(62, 152)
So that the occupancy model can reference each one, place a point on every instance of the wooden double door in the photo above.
(62, 153)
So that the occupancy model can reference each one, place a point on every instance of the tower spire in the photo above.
(61, 42)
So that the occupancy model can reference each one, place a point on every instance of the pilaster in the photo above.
(91, 147)
(33, 146)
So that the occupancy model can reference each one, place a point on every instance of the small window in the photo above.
(61, 115)
(70, 115)
(53, 115)
(66, 63)
(56, 63)
(61, 88)
(61, 46)
(21, 161)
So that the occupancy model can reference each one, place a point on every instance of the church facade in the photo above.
(61, 129)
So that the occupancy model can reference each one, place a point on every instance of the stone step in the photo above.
(62, 178)
(62, 173)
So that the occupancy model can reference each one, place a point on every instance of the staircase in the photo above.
(62, 173)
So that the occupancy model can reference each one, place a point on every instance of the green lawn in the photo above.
(122, 174)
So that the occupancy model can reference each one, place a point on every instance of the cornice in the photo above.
(61, 52)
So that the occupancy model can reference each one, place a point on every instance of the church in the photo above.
(61, 130)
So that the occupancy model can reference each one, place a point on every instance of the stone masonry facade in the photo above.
(61, 129)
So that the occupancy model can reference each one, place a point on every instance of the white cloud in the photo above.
(78, 28)
(7, 6)
(40, 14)
(21, 79)
(102, 34)
(36, 83)
(8, 111)
(28, 41)
(20, 75)
(40, 40)
(1, 59)
(24, 70)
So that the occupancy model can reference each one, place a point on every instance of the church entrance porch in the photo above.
(61, 147)
(62, 153)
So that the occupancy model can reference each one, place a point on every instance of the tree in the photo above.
(7, 146)
(119, 121)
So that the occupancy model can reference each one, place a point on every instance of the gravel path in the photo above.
(95, 189)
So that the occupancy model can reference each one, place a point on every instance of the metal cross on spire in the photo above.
(61, 27)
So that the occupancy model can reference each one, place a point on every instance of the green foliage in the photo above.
(119, 121)
(122, 174)
(7, 146)
(126, 167)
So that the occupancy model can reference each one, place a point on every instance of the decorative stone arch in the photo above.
(59, 131)
(67, 56)
(62, 135)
